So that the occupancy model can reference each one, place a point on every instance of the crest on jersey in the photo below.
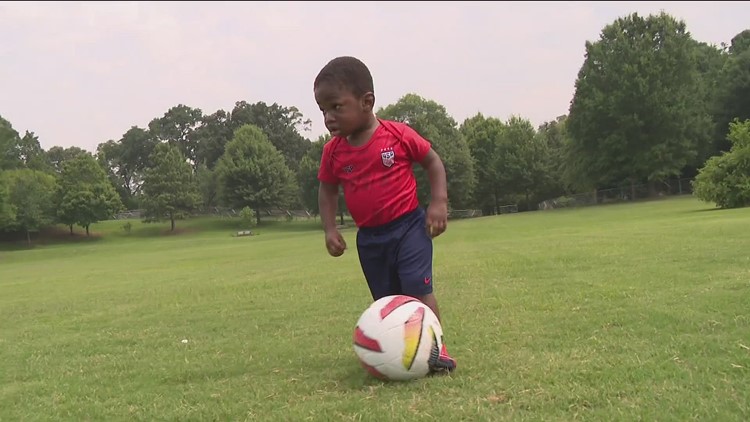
(388, 156)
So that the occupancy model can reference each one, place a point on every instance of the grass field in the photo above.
(623, 312)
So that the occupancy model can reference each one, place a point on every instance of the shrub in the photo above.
(725, 179)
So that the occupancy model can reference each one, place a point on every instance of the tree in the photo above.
(734, 89)
(57, 156)
(31, 194)
(252, 172)
(484, 137)
(208, 185)
(211, 137)
(552, 135)
(126, 161)
(725, 179)
(307, 176)
(20, 152)
(176, 127)
(85, 194)
(432, 121)
(634, 115)
(280, 125)
(710, 60)
(7, 210)
(9, 141)
(31, 154)
(307, 179)
(524, 159)
(169, 190)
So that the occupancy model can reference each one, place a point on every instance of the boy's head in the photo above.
(344, 92)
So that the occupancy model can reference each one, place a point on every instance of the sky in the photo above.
(81, 73)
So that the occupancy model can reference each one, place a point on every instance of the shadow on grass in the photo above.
(356, 378)
(46, 237)
(707, 210)
(115, 230)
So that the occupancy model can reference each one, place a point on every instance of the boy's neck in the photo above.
(363, 135)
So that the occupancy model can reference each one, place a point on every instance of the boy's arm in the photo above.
(437, 212)
(328, 197)
(436, 173)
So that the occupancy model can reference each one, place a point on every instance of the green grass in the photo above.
(622, 312)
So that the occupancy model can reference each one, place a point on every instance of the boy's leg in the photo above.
(377, 268)
(414, 258)
(431, 301)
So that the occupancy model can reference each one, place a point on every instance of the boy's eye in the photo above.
(334, 107)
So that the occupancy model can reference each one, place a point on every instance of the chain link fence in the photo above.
(621, 194)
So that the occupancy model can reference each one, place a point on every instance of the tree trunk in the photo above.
(71, 229)
(171, 219)
(257, 217)
(341, 217)
(28, 237)
(632, 190)
(87, 230)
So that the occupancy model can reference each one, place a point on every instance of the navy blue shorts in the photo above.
(396, 258)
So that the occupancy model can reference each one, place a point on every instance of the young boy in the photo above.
(372, 159)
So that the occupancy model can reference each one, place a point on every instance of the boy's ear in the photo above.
(368, 101)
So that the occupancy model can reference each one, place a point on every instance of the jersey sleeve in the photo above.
(325, 171)
(416, 146)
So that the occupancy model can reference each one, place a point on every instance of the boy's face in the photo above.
(343, 112)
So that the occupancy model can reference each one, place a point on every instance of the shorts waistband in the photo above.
(394, 223)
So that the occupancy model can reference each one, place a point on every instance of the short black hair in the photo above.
(349, 73)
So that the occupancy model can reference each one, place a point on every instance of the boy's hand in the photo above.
(335, 243)
(437, 218)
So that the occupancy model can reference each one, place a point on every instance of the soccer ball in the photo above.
(397, 338)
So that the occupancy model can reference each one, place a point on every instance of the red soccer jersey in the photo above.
(378, 179)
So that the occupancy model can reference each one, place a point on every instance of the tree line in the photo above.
(651, 103)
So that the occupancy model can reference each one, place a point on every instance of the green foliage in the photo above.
(169, 190)
(7, 210)
(85, 195)
(734, 90)
(307, 175)
(208, 185)
(483, 136)
(710, 60)
(511, 161)
(433, 122)
(552, 135)
(740, 43)
(279, 124)
(725, 179)
(30, 153)
(9, 141)
(20, 152)
(31, 195)
(248, 217)
(126, 161)
(307, 178)
(176, 127)
(211, 137)
(57, 156)
(523, 156)
(252, 172)
(635, 115)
